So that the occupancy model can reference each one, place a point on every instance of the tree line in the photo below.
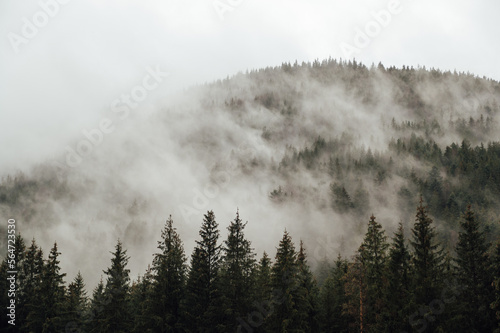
(402, 284)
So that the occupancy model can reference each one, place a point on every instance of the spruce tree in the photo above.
(237, 274)
(203, 299)
(76, 304)
(428, 265)
(307, 294)
(263, 278)
(332, 317)
(115, 312)
(52, 294)
(142, 297)
(169, 266)
(30, 279)
(373, 255)
(473, 273)
(95, 321)
(285, 284)
(398, 294)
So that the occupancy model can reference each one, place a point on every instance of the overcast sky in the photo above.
(61, 77)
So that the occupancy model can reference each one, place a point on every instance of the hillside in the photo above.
(315, 148)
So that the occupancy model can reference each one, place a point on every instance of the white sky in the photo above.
(90, 52)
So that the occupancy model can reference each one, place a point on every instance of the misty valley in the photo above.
(328, 196)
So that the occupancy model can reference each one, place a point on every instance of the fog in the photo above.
(180, 150)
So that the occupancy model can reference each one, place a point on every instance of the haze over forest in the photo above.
(313, 148)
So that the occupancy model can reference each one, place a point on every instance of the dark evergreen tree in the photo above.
(52, 295)
(474, 275)
(169, 268)
(398, 294)
(341, 200)
(237, 275)
(373, 255)
(142, 297)
(307, 295)
(332, 317)
(428, 264)
(116, 316)
(203, 299)
(95, 321)
(285, 317)
(76, 305)
(31, 317)
(262, 302)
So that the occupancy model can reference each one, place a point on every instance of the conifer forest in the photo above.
(324, 196)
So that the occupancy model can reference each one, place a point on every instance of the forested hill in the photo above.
(314, 147)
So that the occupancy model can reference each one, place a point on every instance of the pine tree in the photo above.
(428, 265)
(115, 311)
(30, 279)
(52, 294)
(169, 268)
(373, 254)
(142, 297)
(203, 296)
(307, 295)
(473, 273)
(262, 298)
(76, 304)
(285, 284)
(95, 322)
(332, 298)
(263, 278)
(237, 274)
(398, 293)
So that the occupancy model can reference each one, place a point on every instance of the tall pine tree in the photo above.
(76, 304)
(307, 294)
(52, 292)
(474, 275)
(398, 294)
(169, 268)
(115, 312)
(203, 299)
(428, 265)
(237, 274)
(285, 284)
